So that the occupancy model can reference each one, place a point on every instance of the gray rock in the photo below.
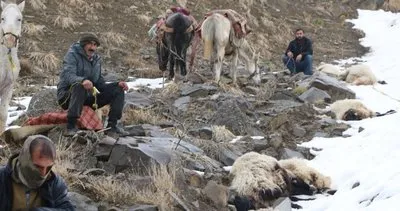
(198, 90)
(283, 95)
(203, 133)
(228, 156)
(282, 204)
(42, 102)
(288, 153)
(81, 202)
(216, 193)
(299, 131)
(103, 148)
(335, 88)
(314, 95)
(156, 131)
(135, 130)
(140, 152)
(232, 117)
(251, 90)
(137, 100)
(182, 103)
(143, 208)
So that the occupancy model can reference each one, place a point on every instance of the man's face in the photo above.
(43, 164)
(299, 34)
(90, 48)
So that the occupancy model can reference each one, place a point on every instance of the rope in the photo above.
(373, 87)
(10, 59)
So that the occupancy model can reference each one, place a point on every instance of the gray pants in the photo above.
(78, 97)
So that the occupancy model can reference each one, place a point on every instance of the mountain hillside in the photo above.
(50, 27)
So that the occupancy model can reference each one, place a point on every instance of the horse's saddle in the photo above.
(239, 23)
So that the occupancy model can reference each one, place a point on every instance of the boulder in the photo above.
(136, 100)
(42, 102)
(314, 95)
(336, 89)
(82, 203)
(198, 90)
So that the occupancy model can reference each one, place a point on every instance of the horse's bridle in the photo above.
(12, 34)
(251, 76)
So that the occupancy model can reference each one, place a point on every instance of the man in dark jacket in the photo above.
(80, 76)
(298, 55)
(27, 182)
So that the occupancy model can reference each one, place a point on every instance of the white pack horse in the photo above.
(10, 32)
(219, 39)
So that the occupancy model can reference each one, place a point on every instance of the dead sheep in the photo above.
(360, 74)
(258, 180)
(351, 109)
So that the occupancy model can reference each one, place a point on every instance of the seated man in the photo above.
(298, 56)
(27, 181)
(81, 73)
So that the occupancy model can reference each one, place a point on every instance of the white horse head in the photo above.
(250, 56)
(11, 23)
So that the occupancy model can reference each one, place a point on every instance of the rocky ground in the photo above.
(182, 135)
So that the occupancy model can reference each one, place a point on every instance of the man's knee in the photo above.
(308, 58)
(284, 58)
(78, 89)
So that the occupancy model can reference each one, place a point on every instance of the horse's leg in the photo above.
(234, 64)
(171, 66)
(218, 64)
(4, 103)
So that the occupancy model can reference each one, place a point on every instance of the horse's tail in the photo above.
(207, 34)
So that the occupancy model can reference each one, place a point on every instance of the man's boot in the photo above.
(71, 128)
(115, 130)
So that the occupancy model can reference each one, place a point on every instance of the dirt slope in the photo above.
(51, 26)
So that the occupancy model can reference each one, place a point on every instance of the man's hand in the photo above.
(123, 85)
(88, 85)
(298, 58)
(289, 54)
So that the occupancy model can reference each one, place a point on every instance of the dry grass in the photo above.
(221, 134)
(33, 46)
(171, 90)
(211, 148)
(38, 4)
(267, 90)
(141, 116)
(112, 190)
(64, 164)
(231, 89)
(65, 22)
(45, 61)
(299, 90)
(112, 39)
(125, 192)
(33, 29)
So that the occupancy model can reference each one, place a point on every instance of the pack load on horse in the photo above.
(223, 33)
(173, 37)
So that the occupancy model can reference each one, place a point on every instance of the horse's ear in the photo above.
(21, 6)
(3, 5)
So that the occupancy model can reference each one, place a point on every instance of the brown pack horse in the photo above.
(178, 33)
(219, 40)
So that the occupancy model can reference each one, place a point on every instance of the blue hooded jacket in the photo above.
(77, 68)
(53, 192)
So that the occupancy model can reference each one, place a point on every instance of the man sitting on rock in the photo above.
(81, 78)
(27, 181)
(298, 55)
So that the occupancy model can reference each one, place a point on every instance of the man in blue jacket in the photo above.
(27, 182)
(298, 55)
(81, 73)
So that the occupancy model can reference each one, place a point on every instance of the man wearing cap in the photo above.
(27, 182)
(80, 74)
